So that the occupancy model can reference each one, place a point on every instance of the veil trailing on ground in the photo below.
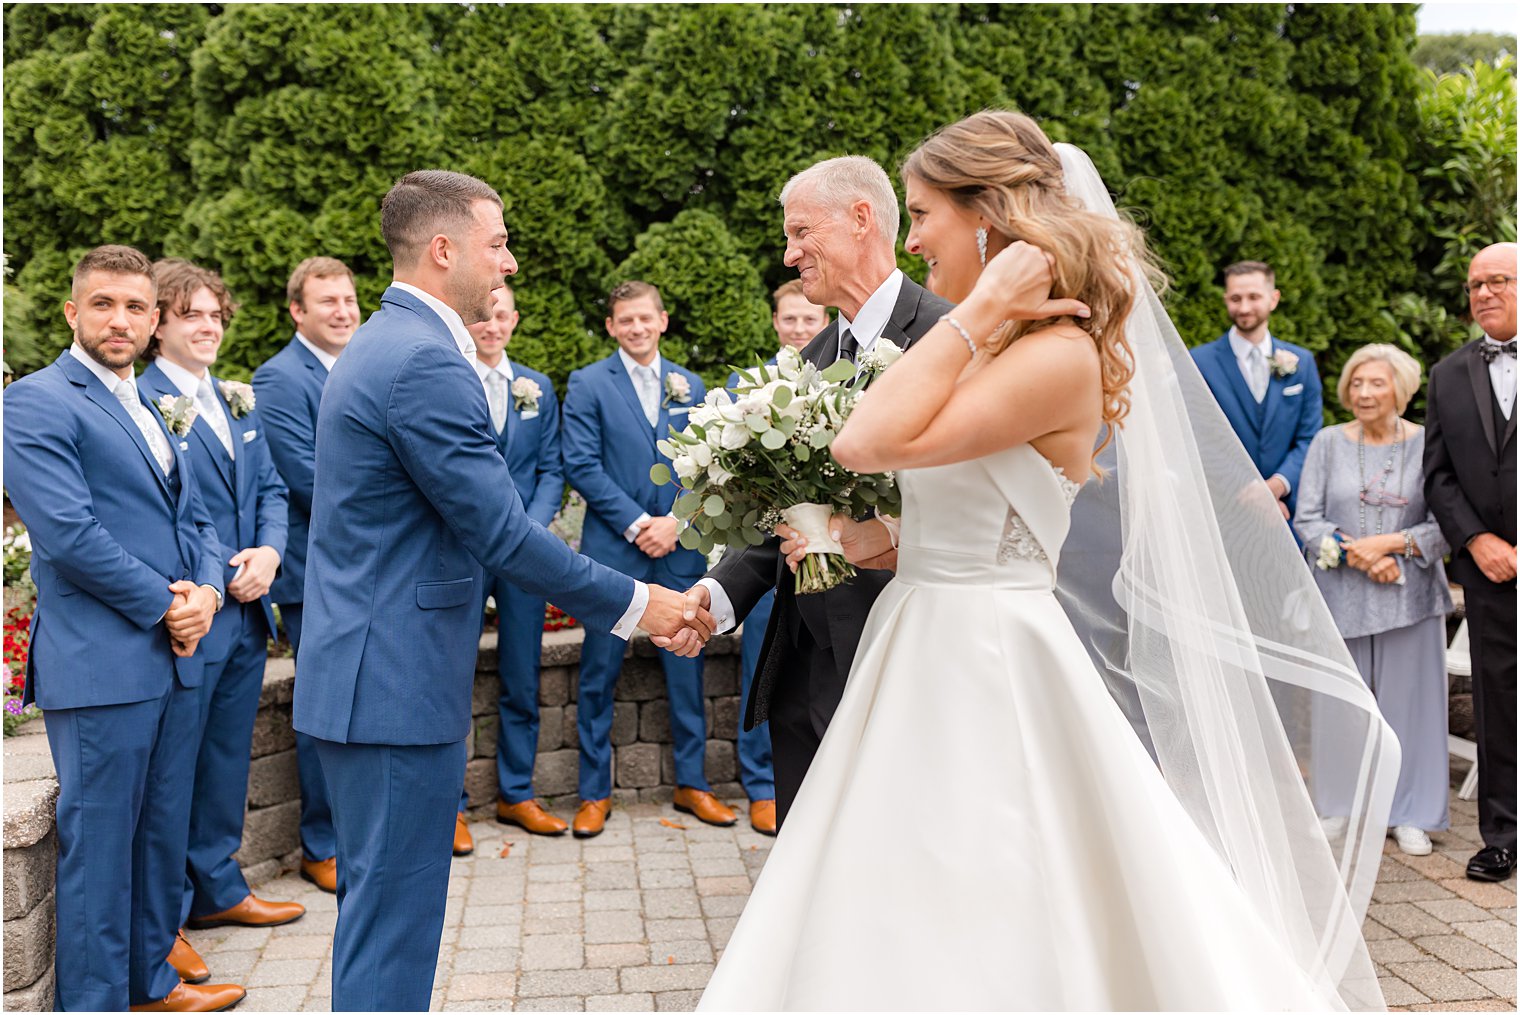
(1200, 612)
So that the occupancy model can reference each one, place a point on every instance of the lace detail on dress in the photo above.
(1018, 543)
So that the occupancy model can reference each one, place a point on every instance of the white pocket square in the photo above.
(529, 414)
(679, 410)
(249, 435)
(1296, 389)
(184, 445)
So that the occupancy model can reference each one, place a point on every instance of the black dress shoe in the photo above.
(1492, 863)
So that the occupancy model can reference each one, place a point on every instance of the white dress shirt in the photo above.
(1243, 347)
(189, 384)
(629, 622)
(631, 533)
(871, 320)
(1501, 374)
(324, 357)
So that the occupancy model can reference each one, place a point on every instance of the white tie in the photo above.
(496, 395)
(211, 411)
(649, 393)
(126, 394)
(1259, 374)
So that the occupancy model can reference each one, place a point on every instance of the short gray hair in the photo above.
(1406, 372)
(839, 183)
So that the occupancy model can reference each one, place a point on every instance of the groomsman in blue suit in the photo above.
(796, 320)
(325, 308)
(1269, 390)
(246, 500)
(615, 411)
(412, 500)
(128, 576)
(525, 419)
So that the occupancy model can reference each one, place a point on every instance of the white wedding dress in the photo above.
(1042, 863)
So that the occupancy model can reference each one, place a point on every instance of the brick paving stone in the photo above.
(723, 886)
(616, 956)
(1462, 953)
(1374, 931)
(665, 861)
(1495, 934)
(719, 928)
(677, 1000)
(231, 939)
(612, 898)
(665, 977)
(557, 850)
(674, 953)
(611, 876)
(494, 1004)
(555, 891)
(536, 911)
(562, 982)
(667, 903)
(1392, 870)
(550, 1004)
(489, 937)
(232, 967)
(1397, 992)
(1482, 1004)
(1487, 894)
(1438, 981)
(1436, 866)
(673, 878)
(718, 867)
(1500, 981)
(723, 905)
(675, 930)
(554, 872)
(1394, 950)
(607, 854)
(1505, 913)
(482, 986)
(553, 951)
(614, 927)
(713, 850)
(1452, 910)
(485, 960)
(1408, 891)
(306, 946)
(493, 891)
(284, 973)
(620, 1002)
(1406, 919)
(273, 999)
(491, 916)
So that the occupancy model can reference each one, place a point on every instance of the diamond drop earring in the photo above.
(981, 244)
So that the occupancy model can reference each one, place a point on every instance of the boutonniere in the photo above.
(882, 355)
(525, 394)
(239, 397)
(179, 413)
(1331, 553)
(677, 389)
(1284, 363)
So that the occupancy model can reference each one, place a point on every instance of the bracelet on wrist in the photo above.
(1408, 545)
(966, 335)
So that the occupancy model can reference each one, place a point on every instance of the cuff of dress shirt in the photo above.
(219, 597)
(1287, 486)
(626, 625)
(631, 533)
(721, 608)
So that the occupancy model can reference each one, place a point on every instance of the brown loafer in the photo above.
(464, 844)
(322, 873)
(591, 818)
(762, 816)
(531, 816)
(187, 962)
(251, 912)
(197, 997)
(704, 805)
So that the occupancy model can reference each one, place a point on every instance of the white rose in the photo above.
(735, 437)
(702, 454)
(686, 469)
(718, 474)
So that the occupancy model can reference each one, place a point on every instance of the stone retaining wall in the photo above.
(643, 770)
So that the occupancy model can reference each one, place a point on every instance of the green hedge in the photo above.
(652, 140)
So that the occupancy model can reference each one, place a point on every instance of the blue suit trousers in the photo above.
(519, 647)
(393, 808)
(229, 704)
(317, 839)
(124, 780)
(755, 772)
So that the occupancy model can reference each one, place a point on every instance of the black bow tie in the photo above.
(1491, 351)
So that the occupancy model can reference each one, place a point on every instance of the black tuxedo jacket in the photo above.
(1469, 460)
(834, 619)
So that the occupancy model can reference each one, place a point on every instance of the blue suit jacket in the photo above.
(1277, 432)
(407, 508)
(109, 534)
(244, 497)
(531, 448)
(609, 449)
(289, 390)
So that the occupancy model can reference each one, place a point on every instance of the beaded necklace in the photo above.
(1397, 448)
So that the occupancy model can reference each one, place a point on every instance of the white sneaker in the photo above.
(1335, 828)
(1411, 840)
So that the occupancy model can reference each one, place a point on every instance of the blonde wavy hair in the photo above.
(1001, 166)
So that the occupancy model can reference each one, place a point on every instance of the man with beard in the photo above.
(1269, 390)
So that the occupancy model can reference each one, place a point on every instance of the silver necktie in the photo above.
(1259, 374)
(211, 411)
(649, 393)
(126, 393)
(496, 395)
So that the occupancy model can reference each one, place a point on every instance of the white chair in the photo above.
(1459, 664)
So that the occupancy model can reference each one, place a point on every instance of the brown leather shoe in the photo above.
(762, 816)
(251, 912)
(464, 844)
(322, 873)
(186, 961)
(531, 816)
(704, 805)
(203, 997)
(591, 818)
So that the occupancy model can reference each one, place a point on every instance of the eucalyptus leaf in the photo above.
(713, 506)
(659, 474)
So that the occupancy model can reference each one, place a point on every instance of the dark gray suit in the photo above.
(810, 643)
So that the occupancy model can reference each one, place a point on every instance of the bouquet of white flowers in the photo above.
(747, 461)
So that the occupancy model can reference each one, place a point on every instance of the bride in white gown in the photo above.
(1082, 873)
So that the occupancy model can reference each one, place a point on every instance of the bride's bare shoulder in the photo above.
(1063, 351)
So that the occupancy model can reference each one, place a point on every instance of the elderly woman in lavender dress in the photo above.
(1376, 551)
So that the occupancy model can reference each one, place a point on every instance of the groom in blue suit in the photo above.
(615, 411)
(413, 504)
(1269, 389)
(125, 560)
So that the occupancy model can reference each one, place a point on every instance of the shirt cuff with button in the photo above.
(721, 607)
(629, 622)
(631, 533)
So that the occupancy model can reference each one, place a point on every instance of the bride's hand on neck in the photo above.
(1016, 284)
